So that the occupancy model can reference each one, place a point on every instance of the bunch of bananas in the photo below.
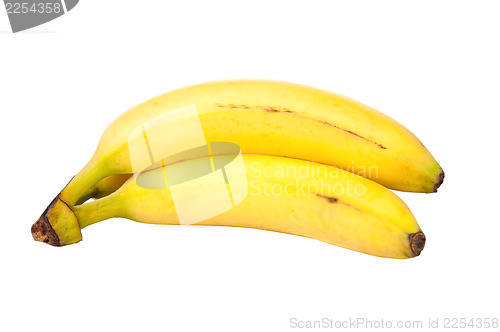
(316, 164)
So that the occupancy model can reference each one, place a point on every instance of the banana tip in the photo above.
(42, 229)
(439, 182)
(417, 243)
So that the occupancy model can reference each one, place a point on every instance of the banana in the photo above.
(284, 195)
(261, 117)
(281, 119)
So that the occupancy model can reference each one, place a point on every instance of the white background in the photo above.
(432, 65)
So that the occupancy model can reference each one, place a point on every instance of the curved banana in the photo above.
(284, 195)
(281, 119)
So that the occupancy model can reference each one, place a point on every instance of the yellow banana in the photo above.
(262, 117)
(284, 195)
(281, 119)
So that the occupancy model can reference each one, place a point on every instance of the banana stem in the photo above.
(98, 210)
(87, 195)
(81, 183)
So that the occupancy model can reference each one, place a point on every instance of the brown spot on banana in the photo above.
(330, 199)
(287, 111)
(271, 110)
(335, 200)
(358, 135)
